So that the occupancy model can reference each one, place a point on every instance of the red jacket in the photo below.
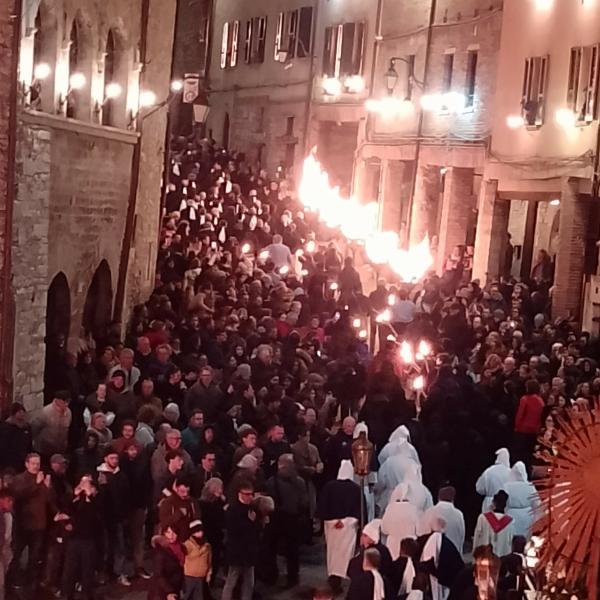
(529, 414)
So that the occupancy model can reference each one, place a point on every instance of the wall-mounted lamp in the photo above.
(76, 82)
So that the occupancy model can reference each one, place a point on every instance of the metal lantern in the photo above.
(362, 453)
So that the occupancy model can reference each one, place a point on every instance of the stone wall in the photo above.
(72, 195)
(9, 28)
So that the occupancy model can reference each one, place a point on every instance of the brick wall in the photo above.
(72, 195)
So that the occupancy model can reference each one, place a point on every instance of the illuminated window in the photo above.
(533, 94)
(254, 44)
(582, 91)
(344, 50)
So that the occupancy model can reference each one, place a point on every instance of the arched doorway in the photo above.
(58, 321)
(98, 304)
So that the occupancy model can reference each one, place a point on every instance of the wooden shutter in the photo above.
(248, 42)
(329, 51)
(235, 34)
(305, 32)
(347, 50)
(279, 34)
(358, 49)
(592, 104)
(542, 83)
(224, 45)
(292, 33)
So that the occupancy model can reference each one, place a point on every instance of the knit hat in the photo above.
(196, 526)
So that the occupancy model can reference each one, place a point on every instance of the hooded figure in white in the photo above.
(523, 500)
(418, 494)
(400, 520)
(492, 480)
(395, 470)
(399, 443)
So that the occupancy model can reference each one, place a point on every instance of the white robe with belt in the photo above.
(340, 545)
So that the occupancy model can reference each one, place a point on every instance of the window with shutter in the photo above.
(347, 50)
(304, 46)
(471, 81)
(259, 33)
(248, 42)
(533, 96)
(224, 45)
(329, 51)
(448, 70)
(582, 87)
(279, 35)
(358, 49)
(235, 34)
(292, 33)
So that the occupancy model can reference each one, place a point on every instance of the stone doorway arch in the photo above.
(97, 309)
(58, 322)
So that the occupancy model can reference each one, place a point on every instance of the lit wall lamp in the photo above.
(31, 93)
(392, 77)
(111, 92)
(77, 81)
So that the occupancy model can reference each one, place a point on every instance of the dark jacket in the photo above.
(272, 451)
(339, 499)
(85, 516)
(386, 567)
(242, 541)
(207, 399)
(361, 587)
(15, 444)
(114, 495)
(140, 481)
(182, 511)
(289, 494)
(167, 571)
(33, 502)
(213, 518)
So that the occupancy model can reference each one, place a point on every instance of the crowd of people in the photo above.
(218, 435)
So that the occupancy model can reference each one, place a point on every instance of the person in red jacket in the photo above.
(528, 422)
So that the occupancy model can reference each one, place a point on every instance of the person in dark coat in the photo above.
(136, 466)
(290, 495)
(369, 538)
(370, 583)
(274, 447)
(80, 554)
(204, 395)
(15, 439)
(339, 447)
(115, 499)
(168, 557)
(241, 548)
(88, 457)
(212, 509)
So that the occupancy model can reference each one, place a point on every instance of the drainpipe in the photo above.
(135, 178)
(8, 313)
(413, 186)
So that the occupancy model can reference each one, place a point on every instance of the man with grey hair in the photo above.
(132, 373)
(289, 492)
(279, 254)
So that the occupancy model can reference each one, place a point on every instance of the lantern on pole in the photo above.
(362, 454)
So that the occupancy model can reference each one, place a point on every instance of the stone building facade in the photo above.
(9, 38)
(261, 72)
(88, 172)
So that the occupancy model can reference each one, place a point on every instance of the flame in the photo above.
(406, 353)
(358, 222)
